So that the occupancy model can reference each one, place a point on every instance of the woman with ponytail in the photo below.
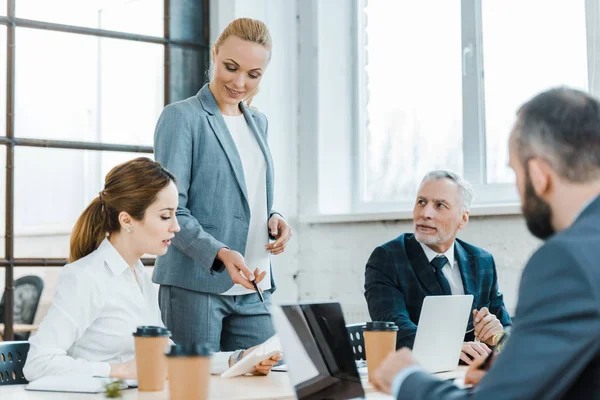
(103, 294)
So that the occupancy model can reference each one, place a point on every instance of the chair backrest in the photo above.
(357, 340)
(12, 361)
(27, 294)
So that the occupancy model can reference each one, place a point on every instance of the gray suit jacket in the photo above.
(554, 348)
(192, 141)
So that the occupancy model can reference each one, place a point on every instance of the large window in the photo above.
(440, 82)
(81, 95)
(522, 61)
(89, 88)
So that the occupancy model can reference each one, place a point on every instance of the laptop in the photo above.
(317, 351)
(441, 331)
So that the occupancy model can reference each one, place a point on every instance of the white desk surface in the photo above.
(276, 386)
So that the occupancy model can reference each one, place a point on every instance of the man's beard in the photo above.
(428, 240)
(537, 213)
(431, 240)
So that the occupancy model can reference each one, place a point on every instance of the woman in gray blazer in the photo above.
(216, 146)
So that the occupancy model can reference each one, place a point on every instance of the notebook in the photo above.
(74, 383)
(262, 352)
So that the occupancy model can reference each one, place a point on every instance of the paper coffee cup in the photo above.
(380, 341)
(189, 372)
(151, 342)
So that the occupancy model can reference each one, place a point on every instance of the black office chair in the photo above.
(357, 340)
(27, 294)
(12, 361)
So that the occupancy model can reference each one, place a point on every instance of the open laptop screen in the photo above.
(317, 351)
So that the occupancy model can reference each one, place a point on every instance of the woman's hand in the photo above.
(281, 231)
(238, 271)
(264, 367)
(126, 370)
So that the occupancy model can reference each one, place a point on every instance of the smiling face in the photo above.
(153, 234)
(238, 69)
(437, 216)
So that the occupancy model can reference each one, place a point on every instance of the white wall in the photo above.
(333, 257)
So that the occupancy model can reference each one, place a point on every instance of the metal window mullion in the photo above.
(167, 50)
(474, 146)
(73, 145)
(81, 30)
(52, 262)
(27, 23)
(9, 212)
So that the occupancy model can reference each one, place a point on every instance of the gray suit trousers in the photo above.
(224, 323)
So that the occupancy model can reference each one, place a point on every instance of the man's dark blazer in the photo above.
(398, 276)
(554, 348)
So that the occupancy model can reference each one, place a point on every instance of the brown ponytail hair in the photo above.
(131, 187)
(250, 30)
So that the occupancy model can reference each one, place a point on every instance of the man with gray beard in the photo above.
(432, 261)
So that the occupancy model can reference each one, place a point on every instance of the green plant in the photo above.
(113, 389)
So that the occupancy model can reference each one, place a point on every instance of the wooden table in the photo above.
(276, 386)
(19, 328)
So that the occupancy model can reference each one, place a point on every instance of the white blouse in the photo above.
(255, 174)
(96, 308)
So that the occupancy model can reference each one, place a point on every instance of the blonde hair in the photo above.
(251, 30)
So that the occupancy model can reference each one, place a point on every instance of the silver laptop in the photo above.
(441, 331)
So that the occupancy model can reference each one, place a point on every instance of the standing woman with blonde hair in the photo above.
(216, 146)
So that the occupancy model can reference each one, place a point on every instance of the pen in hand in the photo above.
(260, 295)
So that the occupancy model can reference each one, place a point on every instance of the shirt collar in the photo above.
(114, 260)
(431, 254)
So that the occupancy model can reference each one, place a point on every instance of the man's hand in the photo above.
(389, 368)
(486, 325)
(126, 370)
(475, 351)
(237, 269)
(474, 374)
(280, 230)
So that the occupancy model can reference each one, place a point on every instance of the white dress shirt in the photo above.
(451, 270)
(255, 174)
(96, 308)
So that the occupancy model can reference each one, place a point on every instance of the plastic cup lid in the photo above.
(151, 331)
(380, 326)
(195, 350)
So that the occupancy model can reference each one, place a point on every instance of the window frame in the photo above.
(488, 196)
(179, 33)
